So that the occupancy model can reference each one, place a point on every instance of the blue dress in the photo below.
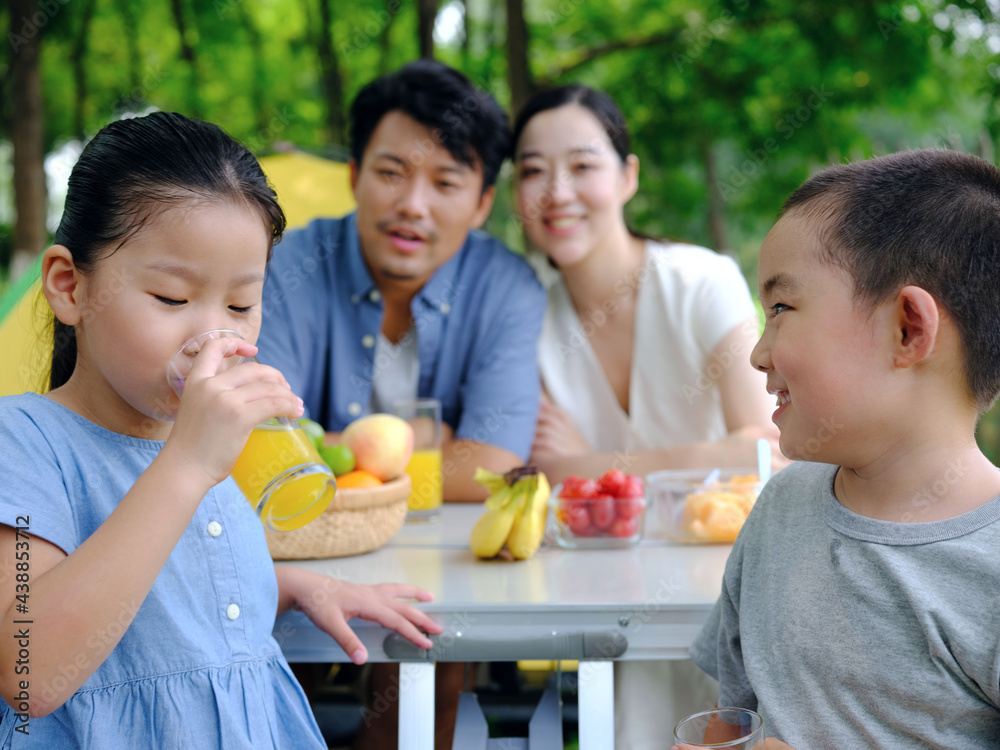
(198, 666)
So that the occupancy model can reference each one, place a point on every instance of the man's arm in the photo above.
(459, 461)
(501, 395)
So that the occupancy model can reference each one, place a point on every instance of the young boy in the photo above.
(860, 607)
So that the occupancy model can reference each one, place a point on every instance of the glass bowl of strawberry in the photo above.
(604, 512)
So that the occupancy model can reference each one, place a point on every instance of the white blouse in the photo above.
(689, 299)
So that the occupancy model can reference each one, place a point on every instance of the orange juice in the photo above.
(283, 476)
(425, 473)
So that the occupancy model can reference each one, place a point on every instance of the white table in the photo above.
(655, 596)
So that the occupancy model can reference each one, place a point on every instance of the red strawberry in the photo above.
(602, 511)
(611, 482)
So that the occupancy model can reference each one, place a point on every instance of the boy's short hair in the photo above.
(464, 119)
(930, 218)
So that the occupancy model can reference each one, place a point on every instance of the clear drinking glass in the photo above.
(279, 470)
(734, 728)
(426, 492)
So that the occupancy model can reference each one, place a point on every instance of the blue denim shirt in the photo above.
(477, 320)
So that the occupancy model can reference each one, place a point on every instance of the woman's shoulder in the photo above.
(680, 267)
(666, 255)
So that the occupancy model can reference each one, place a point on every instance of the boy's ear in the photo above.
(916, 320)
(61, 284)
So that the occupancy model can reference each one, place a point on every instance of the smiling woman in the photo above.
(644, 353)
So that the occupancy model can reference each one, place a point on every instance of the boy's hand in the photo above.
(219, 409)
(770, 743)
(330, 603)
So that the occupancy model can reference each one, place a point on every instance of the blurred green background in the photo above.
(731, 103)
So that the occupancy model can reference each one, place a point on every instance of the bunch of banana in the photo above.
(515, 513)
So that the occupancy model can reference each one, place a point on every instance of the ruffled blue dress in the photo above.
(198, 666)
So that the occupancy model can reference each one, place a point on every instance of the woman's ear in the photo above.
(61, 284)
(353, 169)
(630, 172)
(916, 319)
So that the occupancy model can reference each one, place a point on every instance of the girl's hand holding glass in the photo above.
(278, 468)
(222, 404)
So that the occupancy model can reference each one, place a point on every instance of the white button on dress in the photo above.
(367, 341)
(233, 611)
(354, 408)
(375, 295)
(214, 528)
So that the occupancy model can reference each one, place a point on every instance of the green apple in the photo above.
(314, 430)
(339, 458)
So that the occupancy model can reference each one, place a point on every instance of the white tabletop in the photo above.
(656, 594)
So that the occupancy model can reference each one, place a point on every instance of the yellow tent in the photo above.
(307, 187)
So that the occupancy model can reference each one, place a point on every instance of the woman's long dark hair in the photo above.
(600, 105)
(135, 168)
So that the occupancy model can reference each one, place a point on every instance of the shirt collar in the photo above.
(359, 280)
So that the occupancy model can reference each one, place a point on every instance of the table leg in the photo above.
(597, 705)
(416, 705)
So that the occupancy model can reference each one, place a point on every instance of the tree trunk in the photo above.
(257, 95)
(518, 70)
(188, 55)
(466, 34)
(26, 134)
(131, 28)
(79, 69)
(426, 16)
(333, 84)
(391, 9)
(716, 206)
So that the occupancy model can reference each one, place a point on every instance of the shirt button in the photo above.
(367, 341)
(445, 308)
(375, 295)
(354, 408)
(355, 299)
(214, 528)
(233, 611)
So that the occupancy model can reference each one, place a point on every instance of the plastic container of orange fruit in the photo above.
(702, 506)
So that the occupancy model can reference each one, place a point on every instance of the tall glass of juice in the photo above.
(424, 468)
(279, 470)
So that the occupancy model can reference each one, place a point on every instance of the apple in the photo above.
(381, 443)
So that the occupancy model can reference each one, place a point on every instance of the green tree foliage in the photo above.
(731, 103)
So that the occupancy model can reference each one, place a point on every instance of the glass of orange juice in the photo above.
(424, 416)
(279, 470)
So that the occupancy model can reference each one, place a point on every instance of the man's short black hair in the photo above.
(464, 119)
(930, 218)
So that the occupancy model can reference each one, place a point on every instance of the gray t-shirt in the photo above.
(395, 372)
(849, 632)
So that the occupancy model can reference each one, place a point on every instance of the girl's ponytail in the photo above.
(63, 353)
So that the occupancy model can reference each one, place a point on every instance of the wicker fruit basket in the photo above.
(358, 520)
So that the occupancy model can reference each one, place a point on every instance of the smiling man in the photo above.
(405, 298)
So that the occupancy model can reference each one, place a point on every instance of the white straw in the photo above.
(763, 460)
